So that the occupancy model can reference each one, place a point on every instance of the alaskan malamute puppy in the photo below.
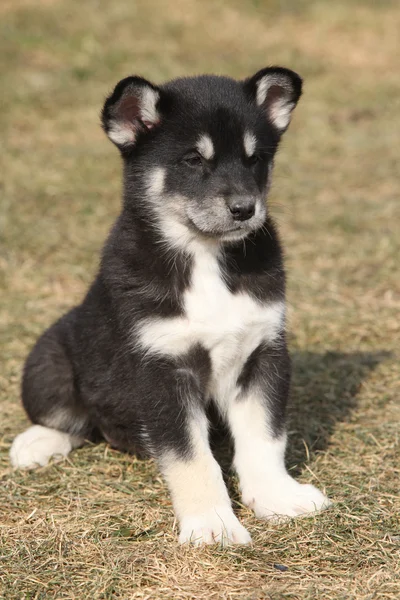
(188, 307)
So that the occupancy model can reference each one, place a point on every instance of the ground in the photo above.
(100, 525)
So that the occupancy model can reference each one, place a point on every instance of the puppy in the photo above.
(187, 309)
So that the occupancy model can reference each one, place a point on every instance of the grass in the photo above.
(100, 525)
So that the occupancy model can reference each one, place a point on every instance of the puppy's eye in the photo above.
(193, 160)
(254, 160)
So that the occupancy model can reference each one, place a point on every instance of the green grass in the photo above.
(100, 525)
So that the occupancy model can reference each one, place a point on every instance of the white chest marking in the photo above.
(230, 326)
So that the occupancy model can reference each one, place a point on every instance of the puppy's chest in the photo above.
(230, 326)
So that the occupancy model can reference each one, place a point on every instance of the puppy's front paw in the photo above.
(284, 498)
(219, 525)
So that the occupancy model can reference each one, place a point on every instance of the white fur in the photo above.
(155, 181)
(280, 113)
(205, 146)
(145, 437)
(216, 525)
(266, 486)
(174, 233)
(281, 108)
(38, 444)
(121, 133)
(148, 104)
(62, 418)
(230, 326)
(250, 142)
(199, 495)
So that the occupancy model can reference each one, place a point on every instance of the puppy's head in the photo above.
(199, 151)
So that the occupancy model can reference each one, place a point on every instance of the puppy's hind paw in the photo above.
(35, 446)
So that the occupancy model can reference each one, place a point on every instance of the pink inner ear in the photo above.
(275, 92)
(129, 109)
(150, 124)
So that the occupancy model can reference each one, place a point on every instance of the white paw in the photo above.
(216, 526)
(35, 446)
(284, 498)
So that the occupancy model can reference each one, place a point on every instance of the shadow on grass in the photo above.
(325, 390)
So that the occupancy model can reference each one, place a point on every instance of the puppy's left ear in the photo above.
(276, 90)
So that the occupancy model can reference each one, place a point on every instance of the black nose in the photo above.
(242, 211)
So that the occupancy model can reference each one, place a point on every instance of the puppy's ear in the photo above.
(132, 109)
(277, 91)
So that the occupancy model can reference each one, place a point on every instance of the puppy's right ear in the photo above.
(131, 110)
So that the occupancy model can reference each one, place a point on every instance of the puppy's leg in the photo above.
(256, 420)
(199, 495)
(52, 402)
(176, 434)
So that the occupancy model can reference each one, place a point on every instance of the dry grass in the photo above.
(100, 525)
